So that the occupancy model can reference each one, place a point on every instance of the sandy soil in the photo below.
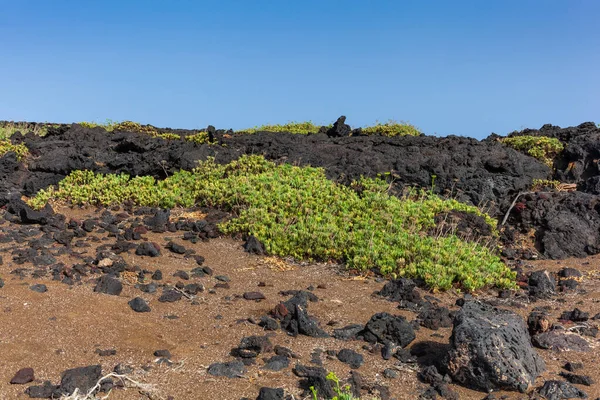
(63, 327)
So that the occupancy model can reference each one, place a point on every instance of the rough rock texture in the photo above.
(384, 328)
(478, 172)
(491, 350)
(566, 224)
(82, 378)
(558, 390)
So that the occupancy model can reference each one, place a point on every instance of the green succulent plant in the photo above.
(296, 211)
(19, 149)
(543, 148)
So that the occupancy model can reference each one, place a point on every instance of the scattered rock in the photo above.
(252, 346)
(254, 246)
(82, 378)
(350, 357)
(231, 369)
(170, 296)
(254, 296)
(560, 341)
(24, 375)
(294, 318)
(45, 391)
(39, 287)
(384, 327)
(577, 379)
(176, 248)
(541, 285)
(266, 393)
(139, 305)
(317, 378)
(558, 390)
(490, 349)
(277, 363)
(109, 285)
(147, 249)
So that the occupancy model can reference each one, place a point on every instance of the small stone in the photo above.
(350, 357)
(162, 353)
(148, 249)
(254, 296)
(139, 305)
(182, 274)
(577, 379)
(390, 373)
(109, 285)
(222, 278)
(39, 287)
(170, 296)
(106, 353)
(23, 376)
(573, 366)
(231, 369)
(157, 275)
(176, 248)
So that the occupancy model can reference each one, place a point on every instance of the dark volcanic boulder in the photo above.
(387, 328)
(558, 390)
(339, 128)
(566, 224)
(491, 350)
(82, 379)
(293, 316)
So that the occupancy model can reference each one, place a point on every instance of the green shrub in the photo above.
(392, 128)
(20, 149)
(10, 128)
(200, 138)
(298, 212)
(541, 147)
(301, 128)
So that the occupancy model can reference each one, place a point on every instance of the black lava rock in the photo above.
(384, 327)
(109, 285)
(350, 357)
(139, 305)
(490, 349)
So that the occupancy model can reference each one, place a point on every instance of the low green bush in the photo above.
(342, 393)
(20, 149)
(392, 128)
(543, 148)
(300, 128)
(8, 129)
(298, 212)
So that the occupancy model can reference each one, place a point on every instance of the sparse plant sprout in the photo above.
(543, 148)
(298, 212)
(540, 184)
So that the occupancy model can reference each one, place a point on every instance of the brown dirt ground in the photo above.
(63, 327)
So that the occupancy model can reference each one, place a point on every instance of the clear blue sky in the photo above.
(449, 67)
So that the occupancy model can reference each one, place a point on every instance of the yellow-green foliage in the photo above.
(541, 147)
(200, 138)
(392, 128)
(10, 128)
(342, 392)
(20, 149)
(539, 184)
(298, 212)
(301, 128)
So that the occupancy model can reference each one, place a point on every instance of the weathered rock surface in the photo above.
(491, 350)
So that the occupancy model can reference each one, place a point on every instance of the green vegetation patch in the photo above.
(300, 128)
(543, 148)
(297, 211)
(10, 128)
(392, 128)
(541, 184)
(20, 149)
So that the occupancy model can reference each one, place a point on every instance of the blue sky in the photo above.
(449, 67)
